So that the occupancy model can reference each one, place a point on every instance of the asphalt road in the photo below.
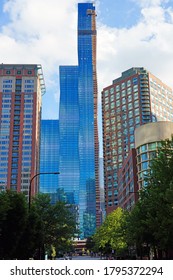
(85, 258)
(82, 258)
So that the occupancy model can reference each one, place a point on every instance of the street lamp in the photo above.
(38, 174)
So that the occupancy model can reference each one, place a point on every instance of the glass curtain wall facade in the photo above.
(20, 114)
(69, 127)
(80, 110)
(49, 162)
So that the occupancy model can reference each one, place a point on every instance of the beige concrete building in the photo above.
(147, 142)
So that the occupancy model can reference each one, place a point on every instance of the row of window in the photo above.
(25, 90)
(123, 98)
(122, 86)
(18, 72)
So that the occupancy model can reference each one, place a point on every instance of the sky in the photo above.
(130, 33)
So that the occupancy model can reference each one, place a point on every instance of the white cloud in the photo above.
(46, 27)
(148, 43)
(45, 32)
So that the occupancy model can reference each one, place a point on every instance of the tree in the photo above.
(28, 233)
(13, 213)
(151, 221)
(137, 233)
(110, 235)
(159, 193)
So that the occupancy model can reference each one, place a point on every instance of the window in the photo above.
(106, 93)
(129, 90)
(135, 88)
(135, 80)
(129, 98)
(132, 145)
(117, 88)
(132, 138)
(29, 86)
(112, 105)
(109, 193)
(18, 81)
(18, 72)
(135, 96)
(118, 103)
(112, 90)
(123, 100)
(144, 157)
(124, 108)
(123, 85)
(123, 93)
(14, 170)
(116, 192)
(115, 202)
(152, 155)
(8, 72)
(7, 81)
(131, 122)
(152, 146)
(143, 148)
(29, 72)
(137, 120)
(7, 86)
(14, 165)
(131, 130)
(109, 203)
(136, 104)
(117, 95)
(112, 97)
(130, 114)
(145, 165)
(128, 83)
(130, 106)
(6, 90)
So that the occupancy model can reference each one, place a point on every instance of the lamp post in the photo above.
(30, 185)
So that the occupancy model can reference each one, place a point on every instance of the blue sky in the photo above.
(130, 33)
(119, 13)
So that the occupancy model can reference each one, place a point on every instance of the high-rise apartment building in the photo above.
(135, 98)
(20, 112)
(79, 147)
(49, 162)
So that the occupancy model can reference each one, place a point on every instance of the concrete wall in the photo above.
(153, 132)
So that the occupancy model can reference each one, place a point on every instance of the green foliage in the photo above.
(149, 226)
(55, 225)
(110, 236)
(151, 220)
(13, 213)
(159, 194)
(90, 244)
(25, 234)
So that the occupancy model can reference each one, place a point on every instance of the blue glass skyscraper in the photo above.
(79, 169)
(69, 129)
(49, 150)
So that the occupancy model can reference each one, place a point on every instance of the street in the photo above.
(85, 258)
(80, 258)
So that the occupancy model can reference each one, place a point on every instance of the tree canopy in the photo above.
(26, 233)
(152, 216)
(147, 230)
(110, 235)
